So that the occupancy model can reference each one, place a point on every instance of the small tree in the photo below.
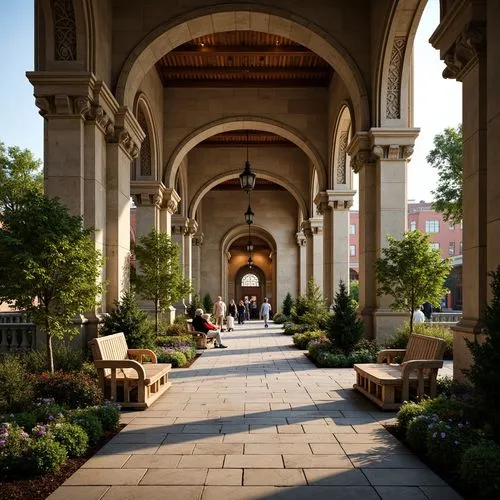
(310, 309)
(354, 290)
(127, 317)
(485, 371)
(193, 305)
(411, 272)
(48, 264)
(287, 305)
(344, 327)
(208, 304)
(160, 278)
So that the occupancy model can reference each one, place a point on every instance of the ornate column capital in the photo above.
(306, 229)
(180, 225)
(198, 239)
(192, 227)
(301, 239)
(393, 144)
(360, 151)
(316, 225)
(340, 200)
(127, 133)
(321, 202)
(147, 193)
(171, 200)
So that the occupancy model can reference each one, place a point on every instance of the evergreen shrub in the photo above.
(195, 303)
(15, 385)
(287, 305)
(418, 431)
(480, 470)
(45, 455)
(87, 419)
(280, 319)
(169, 355)
(72, 437)
(208, 304)
(301, 340)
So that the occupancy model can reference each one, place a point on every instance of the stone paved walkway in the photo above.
(256, 421)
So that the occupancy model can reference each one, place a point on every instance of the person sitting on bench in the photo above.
(200, 324)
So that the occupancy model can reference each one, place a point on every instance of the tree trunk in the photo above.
(411, 322)
(156, 317)
(50, 354)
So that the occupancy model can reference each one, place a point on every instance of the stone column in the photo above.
(197, 242)
(380, 157)
(307, 231)
(169, 206)
(461, 40)
(188, 251)
(302, 262)
(148, 198)
(317, 249)
(121, 150)
(180, 229)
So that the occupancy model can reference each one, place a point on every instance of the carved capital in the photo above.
(306, 229)
(192, 227)
(198, 239)
(301, 239)
(120, 136)
(362, 158)
(321, 202)
(43, 104)
(393, 151)
(180, 225)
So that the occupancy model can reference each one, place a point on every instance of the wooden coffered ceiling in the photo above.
(237, 138)
(243, 59)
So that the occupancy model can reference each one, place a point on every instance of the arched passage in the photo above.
(243, 123)
(231, 17)
(340, 166)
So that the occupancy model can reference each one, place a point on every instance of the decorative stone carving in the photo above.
(393, 152)
(469, 45)
(43, 104)
(360, 159)
(63, 13)
(192, 227)
(341, 204)
(145, 156)
(341, 159)
(393, 99)
(198, 240)
(120, 136)
(301, 239)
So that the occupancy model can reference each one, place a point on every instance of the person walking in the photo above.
(241, 312)
(219, 312)
(265, 311)
(231, 314)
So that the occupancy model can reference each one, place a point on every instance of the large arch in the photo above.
(243, 123)
(231, 17)
(340, 175)
(233, 174)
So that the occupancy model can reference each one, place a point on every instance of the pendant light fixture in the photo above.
(247, 177)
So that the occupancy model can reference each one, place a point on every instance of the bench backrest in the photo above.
(112, 347)
(424, 347)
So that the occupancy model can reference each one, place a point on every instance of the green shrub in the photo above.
(66, 358)
(13, 444)
(208, 304)
(26, 419)
(451, 409)
(447, 441)
(169, 355)
(354, 290)
(181, 321)
(47, 409)
(418, 430)
(400, 338)
(302, 339)
(448, 386)
(15, 386)
(90, 370)
(480, 470)
(72, 437)
(171, 331)
(317, 348)
(45, 455)
(333, 360)
(408, 411)
(181, 343)
(279, 318)
(291, 328)
(108, 414)
(87, 419)
(73, 390)
(362, 356)
(287, 305)
(344, 328)
(128, 318)
(195, 303)
(311, 308)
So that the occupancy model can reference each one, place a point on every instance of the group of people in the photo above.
(424, 313)
(242, 311)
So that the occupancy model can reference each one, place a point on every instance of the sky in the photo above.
(437, 102)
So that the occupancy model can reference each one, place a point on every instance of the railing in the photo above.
(17, 334)
(446, 317)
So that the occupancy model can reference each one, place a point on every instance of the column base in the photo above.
(470, 329)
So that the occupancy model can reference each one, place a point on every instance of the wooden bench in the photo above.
(200, 338)
(388, 385)
(122, 375)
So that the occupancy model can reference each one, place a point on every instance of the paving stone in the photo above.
(253, 461)
(174, 477)
(127, 449)
(440, 493)
(386, 461)
(153, 492)
(153, 462)
(79, 493)
(105, 477)
(403, 477)
(327, 449)
(399, 492)
(106, 462)
(218, 449)
(197, 461)
(375, 448)
(224, 477)
(273, 477)
(277, 448)
(335, 477)
(317, 461)
(176, 449)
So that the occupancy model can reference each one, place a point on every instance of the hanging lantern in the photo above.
(249, 215)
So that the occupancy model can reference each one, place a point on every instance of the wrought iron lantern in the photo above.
(247, 177)
(249, 215)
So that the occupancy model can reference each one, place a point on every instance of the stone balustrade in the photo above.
(17, 334)
(446, 317)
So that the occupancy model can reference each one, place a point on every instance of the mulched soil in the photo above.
(40, 487)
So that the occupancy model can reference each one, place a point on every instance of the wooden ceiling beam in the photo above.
(232, 50)
(300, 72)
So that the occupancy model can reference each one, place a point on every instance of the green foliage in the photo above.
(400, 339)
(480, 470)
(279, 318)
(160, 277)
(127, 317)
(181, 321)
(195, 303)
(45, 455)
(344, 327)
(411, 272)
(88, 420)
(446, 157)
(292, 328)
(15, 387)
(172, 331)
(73, 390)
(485, 371)
(46, 253)
(168, 355)
(408, 411)
(418, 430)
(183, 344)
(208, 304)
(447, 442)
(66, 358)
(72, 437)
(317, 348)
(310, 309)
(354, 290)
(20, 174)
(108, 414)
(15, 442)
(302, 339)
(26, 419)
(450, 387)
(287, 305)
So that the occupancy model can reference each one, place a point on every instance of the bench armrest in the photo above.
(139, 353)
(419, 365)
(114, 364)
(388, 355)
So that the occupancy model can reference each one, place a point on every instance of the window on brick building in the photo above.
(451, 248)
(352, 228)
(249, 280)
(432, 226)
(352, 250)
(413, 225)
(461, 247)
(452, 226)
(435, 246)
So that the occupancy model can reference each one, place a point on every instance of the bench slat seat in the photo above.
(389, 385)
(123, 376)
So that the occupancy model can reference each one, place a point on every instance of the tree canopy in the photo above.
(48, 264)
(160, 277)
(411, 272)
(20, 173)
(446, 157)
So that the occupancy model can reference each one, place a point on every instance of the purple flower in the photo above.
(443, 435)
(2, 442)
(51, 417)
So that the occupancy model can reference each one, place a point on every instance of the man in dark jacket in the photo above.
(200, 324)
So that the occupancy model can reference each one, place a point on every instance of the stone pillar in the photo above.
(307, 231)
(170, 202)
(188, 252)
(121, 150)
(317, 249)
(197, 242)
(461, 39)
(380, 157)
(148, 198)
(180, 229)
(302, 262)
